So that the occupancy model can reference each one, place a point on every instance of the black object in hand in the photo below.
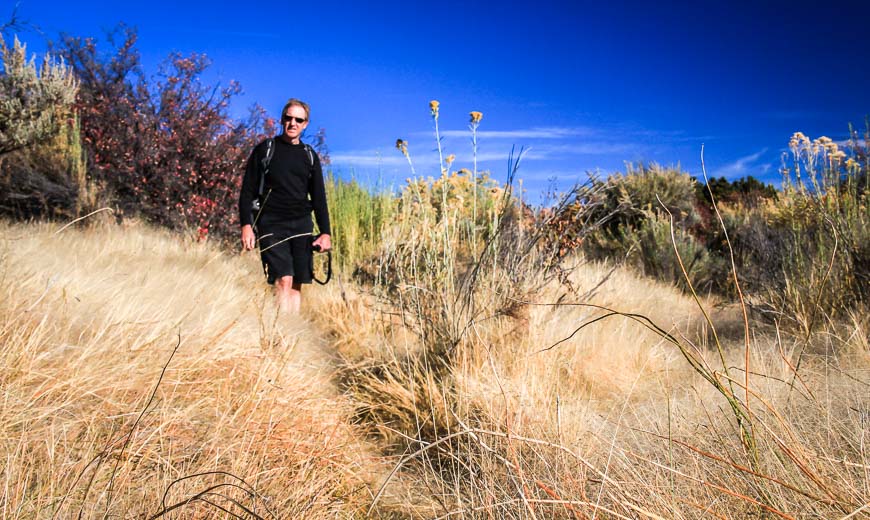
(315, 247)
(318, 249)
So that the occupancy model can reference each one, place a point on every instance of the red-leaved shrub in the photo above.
(167, 150)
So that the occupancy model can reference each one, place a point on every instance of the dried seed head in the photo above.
(797, 140)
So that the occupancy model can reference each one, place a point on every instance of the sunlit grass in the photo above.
(87, 321)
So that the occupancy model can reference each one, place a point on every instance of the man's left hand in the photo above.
(324, 241)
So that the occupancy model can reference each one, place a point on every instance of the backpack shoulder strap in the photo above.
(310, 151)
(270, 151)
(264, 163)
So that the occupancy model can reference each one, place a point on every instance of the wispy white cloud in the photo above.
(743, 166)
(674, 136)
(563, 176)
(427, 158)
(368, 158)
(495, 156)
(552, 132)
(187, 29)
(557, 148)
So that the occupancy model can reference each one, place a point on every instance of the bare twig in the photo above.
(736, 280)
(136, 423)
(250, 490)
(82, 218)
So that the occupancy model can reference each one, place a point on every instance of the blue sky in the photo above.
(583, 86)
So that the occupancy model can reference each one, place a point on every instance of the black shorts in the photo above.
(285, 256)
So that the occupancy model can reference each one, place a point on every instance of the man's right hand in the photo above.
(248, 238)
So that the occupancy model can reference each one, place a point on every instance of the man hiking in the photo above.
(283, 183)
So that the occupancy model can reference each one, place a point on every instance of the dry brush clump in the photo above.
(34, 100)
(144, 377)
(822, 244)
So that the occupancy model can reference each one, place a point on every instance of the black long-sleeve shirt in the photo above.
(292, 189)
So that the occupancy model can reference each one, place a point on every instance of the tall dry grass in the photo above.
(143, 374)
(613, 422)
(513, 423)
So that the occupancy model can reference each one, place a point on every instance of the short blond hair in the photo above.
(299, 103)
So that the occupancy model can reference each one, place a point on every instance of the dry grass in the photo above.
(87, 320)
(612, 422)
(512, 423)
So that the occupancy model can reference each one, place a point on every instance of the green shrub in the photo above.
(33, 102)
(648, 186)
(633, 213)
(650, 248)
(625, 201)
(42, 170)
(747, 191)
(807, 256)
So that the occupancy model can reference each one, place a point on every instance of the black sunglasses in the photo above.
(298, 120)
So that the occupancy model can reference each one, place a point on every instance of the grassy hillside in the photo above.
(88, 321)
(142, 372)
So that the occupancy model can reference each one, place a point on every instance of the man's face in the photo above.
(291, 121)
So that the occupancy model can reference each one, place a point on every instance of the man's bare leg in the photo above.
(289, 294)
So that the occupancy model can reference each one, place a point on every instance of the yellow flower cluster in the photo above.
(824, 145)
(798, 139)
(475, 117)
(433, 107)
(422, 195)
